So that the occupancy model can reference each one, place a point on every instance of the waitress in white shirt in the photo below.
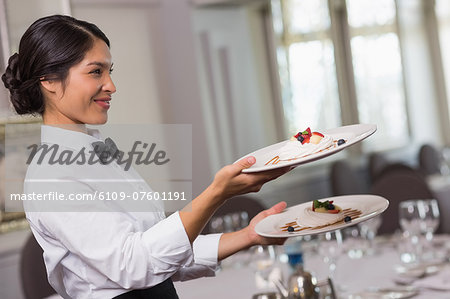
(62, 72)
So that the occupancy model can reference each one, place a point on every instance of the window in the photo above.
(344, 66)
(308, 66)
(442, 9)
(377, 69)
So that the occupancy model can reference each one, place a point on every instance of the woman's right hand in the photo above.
(230, 181)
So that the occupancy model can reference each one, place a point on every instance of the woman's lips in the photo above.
(104, 103)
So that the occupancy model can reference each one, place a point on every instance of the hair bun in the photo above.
(11, 77)
(24, 94)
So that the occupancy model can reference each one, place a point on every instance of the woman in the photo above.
(62, 71)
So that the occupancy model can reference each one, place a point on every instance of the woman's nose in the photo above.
(109, 86)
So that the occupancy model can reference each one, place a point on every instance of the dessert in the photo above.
(302, 144)
(321, 214)
(325, 207)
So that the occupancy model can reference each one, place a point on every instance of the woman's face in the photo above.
(86, 97)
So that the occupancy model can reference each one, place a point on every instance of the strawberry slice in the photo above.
(335, 211)
(305, 139)
(318, 134)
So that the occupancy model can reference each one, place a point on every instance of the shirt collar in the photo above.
(69, 138)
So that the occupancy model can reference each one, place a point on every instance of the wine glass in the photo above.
(445, 161)
(429, 215)
(411, 225)
(263, 263)
(216, 225)
(355, 245)
(330, 247)
(368, 230)
(409, 218)
(230, 222)
(239, 220)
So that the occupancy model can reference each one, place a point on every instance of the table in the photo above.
(238, 283)
(353, 275)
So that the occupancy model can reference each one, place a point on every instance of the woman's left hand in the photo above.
(233, 242)
(256, 239)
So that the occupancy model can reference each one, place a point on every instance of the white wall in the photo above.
(129, 29)
(19, 15)
(421, 94)
(234, 80)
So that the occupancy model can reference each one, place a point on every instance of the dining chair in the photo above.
(376, 162)
(399, 167)
(345, 180)
(429, 160)
(237, 204)
(396, 185)
(33, 272)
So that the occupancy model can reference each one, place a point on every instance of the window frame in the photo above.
(340, 35)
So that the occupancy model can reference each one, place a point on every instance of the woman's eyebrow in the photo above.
(100, 64)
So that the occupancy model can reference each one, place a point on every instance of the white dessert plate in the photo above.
(419, 271)
(396, 292)
(352, 134)
(369, 205)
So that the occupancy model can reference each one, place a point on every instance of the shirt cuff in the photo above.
(206, 249)
(168, 244)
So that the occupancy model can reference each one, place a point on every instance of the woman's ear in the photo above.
(50, 86)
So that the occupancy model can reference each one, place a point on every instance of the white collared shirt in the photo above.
(103, 254)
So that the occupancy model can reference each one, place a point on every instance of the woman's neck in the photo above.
(55, 122)
(73, 127)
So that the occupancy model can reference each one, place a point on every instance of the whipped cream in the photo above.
(309, 218)
(294, 149)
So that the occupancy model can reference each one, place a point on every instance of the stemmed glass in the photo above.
(445, 165)
(330, 247)
(409, 217)
(231, 222)
(263, 263)
(368, 230)
(429, 216)
(411, 225)
(217, 225)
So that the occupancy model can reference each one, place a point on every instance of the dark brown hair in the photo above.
(48, 49)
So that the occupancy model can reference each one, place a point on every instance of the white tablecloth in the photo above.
(352, 275)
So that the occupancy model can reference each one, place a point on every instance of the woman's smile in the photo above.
(105, 103)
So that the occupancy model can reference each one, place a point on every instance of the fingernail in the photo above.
(251, 160)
